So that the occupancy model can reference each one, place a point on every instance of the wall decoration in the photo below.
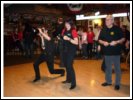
(75, 8)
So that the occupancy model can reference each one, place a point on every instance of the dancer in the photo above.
(70, 42)
(47, 55)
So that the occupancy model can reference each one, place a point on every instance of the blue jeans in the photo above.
(109, 60)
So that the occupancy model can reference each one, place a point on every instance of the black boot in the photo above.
(66, 81)
(72, 87)
(63, 73)
(106, 84)
(117, 87)
(36, 79)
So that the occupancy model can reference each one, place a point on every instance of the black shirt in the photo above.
(109, 35)
(58, 30)
(127, 33)
(49, 46)
(29, 34)
(67, 46)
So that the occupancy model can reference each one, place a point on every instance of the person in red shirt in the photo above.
(70, 42)
(18, 37)
(90, 36)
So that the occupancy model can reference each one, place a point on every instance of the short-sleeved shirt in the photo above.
(90, 37)
(72, 32)
(109, 35)
(67, 46)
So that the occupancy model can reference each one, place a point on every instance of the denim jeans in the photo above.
(115, 60)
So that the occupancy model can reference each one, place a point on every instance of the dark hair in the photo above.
(70, 21)
(91, 28)
(124, 26)
(85, 29)
(60, 19)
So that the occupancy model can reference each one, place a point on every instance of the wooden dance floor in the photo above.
(18, 81)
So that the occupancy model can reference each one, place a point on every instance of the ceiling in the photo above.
(64, 8)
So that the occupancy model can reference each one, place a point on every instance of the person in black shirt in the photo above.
(111, 38)
(28, 36)
(127, 39)
(70, 42)
(47, 55)
(58, 31)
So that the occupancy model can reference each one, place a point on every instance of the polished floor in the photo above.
(18, 81)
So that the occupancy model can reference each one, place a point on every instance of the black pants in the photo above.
(19, 45)
(61, 53)
(84, 50)
(68, 62)
(29, 52)
(49, 58)
(90, 49)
